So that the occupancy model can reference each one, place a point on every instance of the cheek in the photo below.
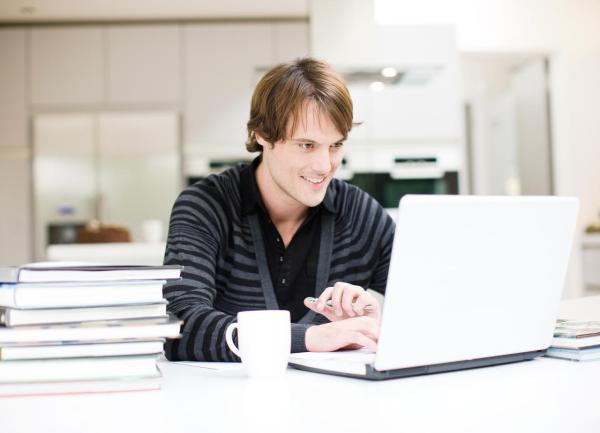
(336, 160)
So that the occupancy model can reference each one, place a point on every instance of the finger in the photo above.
(323, 298)
(362, 340)
(363, 301)
(348, 296)
(336, 298)
(327, 311)
(311, 304)
(372, 327)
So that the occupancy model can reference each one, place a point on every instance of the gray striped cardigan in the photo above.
(226, 269)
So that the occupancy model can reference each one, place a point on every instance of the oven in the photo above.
(388, 174)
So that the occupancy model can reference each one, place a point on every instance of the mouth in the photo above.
(314, 180)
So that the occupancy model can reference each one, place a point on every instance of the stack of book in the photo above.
(68, 328)
(576, 340)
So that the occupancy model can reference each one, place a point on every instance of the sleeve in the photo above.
(380, 274)
(299, 337)
(193, 242)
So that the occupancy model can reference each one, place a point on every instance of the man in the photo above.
(282, 229)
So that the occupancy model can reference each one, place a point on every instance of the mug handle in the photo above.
(229, 339)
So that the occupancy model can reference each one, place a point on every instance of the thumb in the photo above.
(329, 315)
(308, 303)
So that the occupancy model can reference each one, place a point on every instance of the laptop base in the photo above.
(372, 374)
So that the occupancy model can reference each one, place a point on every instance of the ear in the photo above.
(261, 140)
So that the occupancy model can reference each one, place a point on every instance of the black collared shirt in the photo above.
(293, 269)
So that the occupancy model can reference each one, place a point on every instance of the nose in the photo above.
(321, 162)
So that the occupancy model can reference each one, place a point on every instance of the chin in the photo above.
(312, 202)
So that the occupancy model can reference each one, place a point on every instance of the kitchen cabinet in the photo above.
(223, 63)
(15, 196)
(143, 64)
(13, 108)
(424, 105)
(138, 167)
(66, 65)
(67, 77)
(428, 111)
(64, 189)
(290, 41)
(116, 167)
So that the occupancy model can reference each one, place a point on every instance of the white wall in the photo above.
(569, 32)
(502, 25)
(487, 90)
(530, 85)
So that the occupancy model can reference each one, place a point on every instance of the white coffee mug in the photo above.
(264, 339)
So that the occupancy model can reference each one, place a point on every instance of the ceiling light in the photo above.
(389, 72)
(377, 86)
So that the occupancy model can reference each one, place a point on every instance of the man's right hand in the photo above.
(352, 333)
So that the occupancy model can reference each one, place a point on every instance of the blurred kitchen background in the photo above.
(109, 108)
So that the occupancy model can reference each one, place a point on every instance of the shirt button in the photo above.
(278, 240)
(283, 281)
(281, 258)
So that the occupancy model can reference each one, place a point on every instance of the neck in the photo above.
(282, 208)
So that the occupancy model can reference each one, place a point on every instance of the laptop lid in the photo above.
(474, 277)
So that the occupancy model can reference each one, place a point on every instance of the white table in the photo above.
(544, 395)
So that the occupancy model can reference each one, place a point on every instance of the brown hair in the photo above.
(284, 90)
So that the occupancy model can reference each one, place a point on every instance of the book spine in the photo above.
(8, 295)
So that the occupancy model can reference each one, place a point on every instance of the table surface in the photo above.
(543, 395)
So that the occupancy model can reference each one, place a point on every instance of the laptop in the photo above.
(474, 281)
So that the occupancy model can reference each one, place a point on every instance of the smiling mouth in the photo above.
(314, 180)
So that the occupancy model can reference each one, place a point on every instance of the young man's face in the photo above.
(301, 166)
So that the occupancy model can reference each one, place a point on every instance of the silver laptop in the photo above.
(473, 281)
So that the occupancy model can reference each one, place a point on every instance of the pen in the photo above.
(329, 303)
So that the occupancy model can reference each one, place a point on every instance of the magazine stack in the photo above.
(576, 340)
(82, 329)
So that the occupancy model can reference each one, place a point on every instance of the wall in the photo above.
(567, 31)
(487, 91)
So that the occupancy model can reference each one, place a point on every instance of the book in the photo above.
(65, 271)
(577, 328)
(574, 342)
(38, 389)
(587, 354)
(167, 327)
(18, 317)
(49, 370)
(573, 334)
(352, 362)
(80, 294)
(74, 350)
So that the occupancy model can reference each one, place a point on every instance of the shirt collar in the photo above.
(251, 199)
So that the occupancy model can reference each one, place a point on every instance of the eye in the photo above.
(306, 146)
(337, 145)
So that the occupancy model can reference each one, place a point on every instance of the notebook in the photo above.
(68, 271)
(474, 281)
